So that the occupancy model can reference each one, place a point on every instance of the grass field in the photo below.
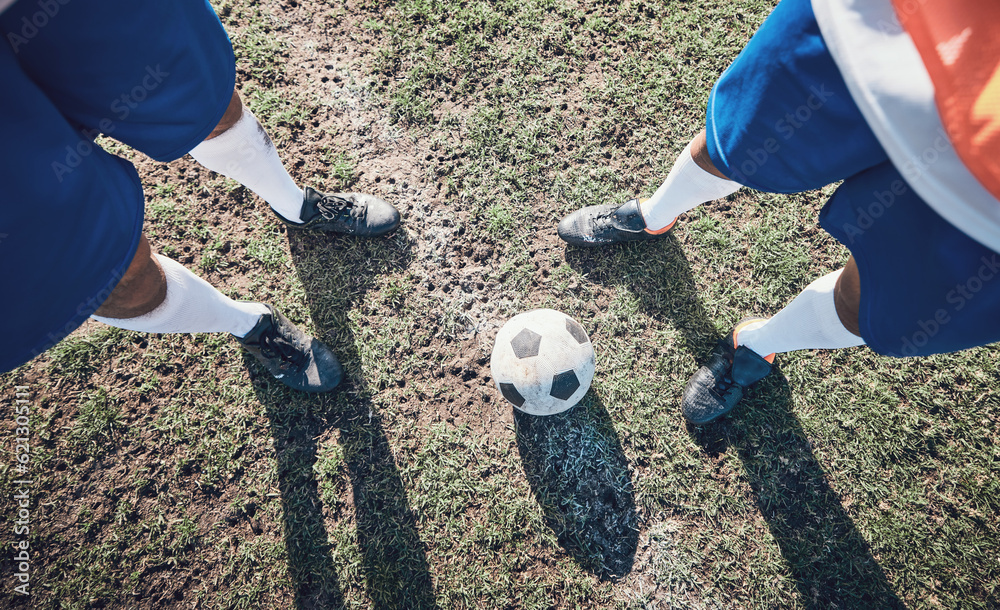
(172, 471)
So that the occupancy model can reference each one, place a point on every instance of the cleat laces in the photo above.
(607, 219)
(724, 383)
(603, 216)
(337, 208)
(273, 345)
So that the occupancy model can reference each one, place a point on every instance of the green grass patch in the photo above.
(172, 470)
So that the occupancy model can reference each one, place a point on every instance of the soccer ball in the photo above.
(542, 362)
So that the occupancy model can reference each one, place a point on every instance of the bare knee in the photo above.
(141, 289)
(233, 114)
(699, 152)
(847, 297)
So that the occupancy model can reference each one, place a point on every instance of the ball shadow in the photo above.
(578, 473)
(336, 273)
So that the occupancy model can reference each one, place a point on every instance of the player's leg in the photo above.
(847, 297)
(699, 152)
(234, 112)
(142, 289)
(781, 119)
(158, 295)
(173, 94)
(692, 180)
(239, 148)
(76, 212)
(768, 124)
(915, 285)
(823, 316)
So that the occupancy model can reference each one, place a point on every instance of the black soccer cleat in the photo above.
(349, 213)
(601, 225)
(298, 360)
(719, 386)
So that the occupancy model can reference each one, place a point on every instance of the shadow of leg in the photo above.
(336, 274)
(393, 556)
(580, 477)
(310, 564)
(831, 563)
(660, 276)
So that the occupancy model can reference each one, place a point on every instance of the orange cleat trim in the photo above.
(658, 231)
(663, 230)
(769, 358)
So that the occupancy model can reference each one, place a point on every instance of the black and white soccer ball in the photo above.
(542, 362)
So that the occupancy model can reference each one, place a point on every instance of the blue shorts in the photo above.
(781, 119)
(156, 76)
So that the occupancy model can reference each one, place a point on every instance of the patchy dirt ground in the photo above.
(173, 471)
(445, 265)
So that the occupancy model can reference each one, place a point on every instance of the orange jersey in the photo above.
(959, 43)
(925, 74)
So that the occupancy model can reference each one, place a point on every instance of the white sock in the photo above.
(246, 154)
(810, 321)
(687, 186)
(192, 305)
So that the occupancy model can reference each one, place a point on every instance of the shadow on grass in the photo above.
(830, 561)
(659, 275)
(310, 564)
(580, 477)
(336, 273)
